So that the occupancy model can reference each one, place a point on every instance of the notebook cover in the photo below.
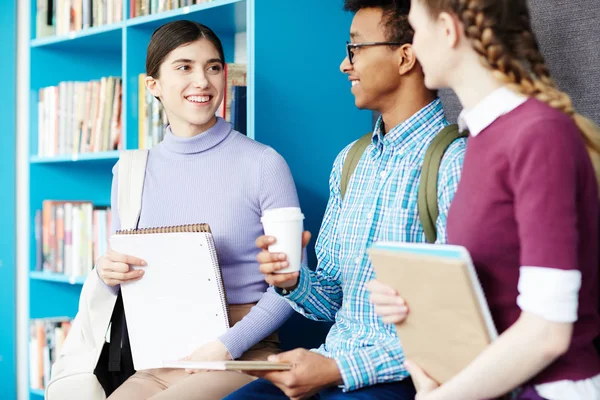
(445, 328)
(229, 365)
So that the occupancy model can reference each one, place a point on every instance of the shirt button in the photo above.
(358, 260)
(370, 215)
(383, 174)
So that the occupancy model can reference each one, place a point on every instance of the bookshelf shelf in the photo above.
(76, 158)
(60, 278)
(99, 37)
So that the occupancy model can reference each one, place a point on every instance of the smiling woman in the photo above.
(185, 64)
(184, 184)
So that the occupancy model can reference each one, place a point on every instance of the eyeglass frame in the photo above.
(350, 45)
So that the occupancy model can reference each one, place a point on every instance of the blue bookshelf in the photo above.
(297, 102)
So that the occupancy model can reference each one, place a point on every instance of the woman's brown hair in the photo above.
(500, 32)
(170, 36)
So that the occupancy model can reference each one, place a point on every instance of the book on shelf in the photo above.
(70, 236)
(44, 18)
(60, 17)
(80, 117)
(152, 117)
(235, 75)
(46, 339)
(238, 109)
(140, 8)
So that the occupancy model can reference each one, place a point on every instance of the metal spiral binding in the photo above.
(167, 229)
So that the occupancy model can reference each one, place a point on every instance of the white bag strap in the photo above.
(132, 170)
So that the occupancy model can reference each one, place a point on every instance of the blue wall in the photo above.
(8, 48)
(304, 108)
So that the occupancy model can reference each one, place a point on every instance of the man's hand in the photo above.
(388, 304)
(270, 263)
(212, 351)
(310, 373)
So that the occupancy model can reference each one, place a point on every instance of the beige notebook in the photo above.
(229, 365)
(449, 322)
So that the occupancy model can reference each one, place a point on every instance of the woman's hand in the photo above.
(116, 268)
(388, 304)
(423, 382)
(212, 351)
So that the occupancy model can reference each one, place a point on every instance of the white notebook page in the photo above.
(178, 304)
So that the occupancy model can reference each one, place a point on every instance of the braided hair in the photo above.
(500, 32)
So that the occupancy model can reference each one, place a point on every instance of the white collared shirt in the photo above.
(501, 101)
(547, 292)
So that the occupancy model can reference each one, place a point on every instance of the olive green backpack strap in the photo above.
(427, 200)
(352, 159)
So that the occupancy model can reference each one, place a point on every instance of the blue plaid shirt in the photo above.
(380, 204)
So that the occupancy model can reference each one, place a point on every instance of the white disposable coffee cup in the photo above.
(286, 226)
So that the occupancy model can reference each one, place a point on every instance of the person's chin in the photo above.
(202, 115)
(202, 121)
(431, 83)
(360, 103)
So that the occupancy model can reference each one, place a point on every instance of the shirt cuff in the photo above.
(302, 290)
(263, 319)
(550, 293)
(357, 370)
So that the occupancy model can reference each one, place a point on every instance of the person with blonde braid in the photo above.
(526, 207)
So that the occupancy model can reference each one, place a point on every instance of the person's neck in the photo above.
(186, 130)
(472, 83)
(405, 106)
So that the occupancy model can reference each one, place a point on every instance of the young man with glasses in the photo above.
(362, 358)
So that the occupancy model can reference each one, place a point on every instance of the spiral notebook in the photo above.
(180, 302)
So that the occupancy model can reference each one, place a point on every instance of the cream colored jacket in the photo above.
(72, 376)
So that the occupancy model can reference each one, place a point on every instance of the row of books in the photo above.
(80, 117)
(153, 118)
(59, 17)
(71, 236)
(83, 117)
(235, 75)
(46, 338)
(139, 8)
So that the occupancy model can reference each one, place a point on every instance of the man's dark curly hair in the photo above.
(395, 17)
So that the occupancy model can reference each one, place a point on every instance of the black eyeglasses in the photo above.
(351, 46)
